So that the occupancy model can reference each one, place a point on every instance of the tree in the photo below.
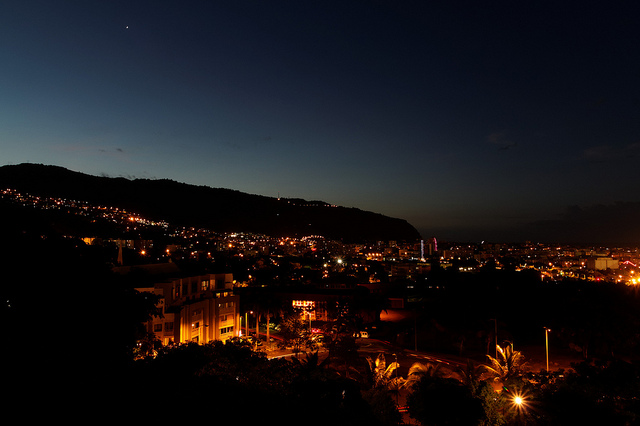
(380, 374)
(471, 377)
(419, 370)
(508, 365)
(470, 374)
(385, 383)
(383, 405)
(294, 332)
(593, 393)
(437, 400)
(492, 404)
(339, 339)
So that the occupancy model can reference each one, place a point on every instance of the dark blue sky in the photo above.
(471, 120)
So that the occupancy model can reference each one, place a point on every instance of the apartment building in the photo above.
(196, 309)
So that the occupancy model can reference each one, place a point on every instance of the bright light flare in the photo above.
(519, 402)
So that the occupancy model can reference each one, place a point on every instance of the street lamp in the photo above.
(546, 338)
(397, 385)
(397, 388)
(246, 323)
(495, 335)
(519, 403)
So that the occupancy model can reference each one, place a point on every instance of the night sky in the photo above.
(471, 120)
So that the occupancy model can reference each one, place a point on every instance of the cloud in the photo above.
(597, 153)
(501, 140)
(613, 224)
(117, 153)
(603, 153)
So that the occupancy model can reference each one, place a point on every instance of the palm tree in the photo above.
(419, 370)
(384, 388)
(312, 366)
(381, 374)
(509, 364)
(470, 374)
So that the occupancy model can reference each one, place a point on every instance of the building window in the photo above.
(225, 330)
(157, 328)
(304, 304)
(168, 326)
(205, 285)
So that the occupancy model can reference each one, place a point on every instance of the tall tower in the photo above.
(432, 246)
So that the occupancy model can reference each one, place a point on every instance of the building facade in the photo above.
(196, 309)
(602, 263)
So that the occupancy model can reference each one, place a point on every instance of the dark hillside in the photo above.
(217, 209)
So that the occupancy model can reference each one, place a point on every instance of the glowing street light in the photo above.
(546, 336)
(519, 402)
(246, 322)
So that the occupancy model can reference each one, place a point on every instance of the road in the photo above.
(405, 358)
(372, 347)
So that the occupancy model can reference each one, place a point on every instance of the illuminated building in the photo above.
(323, 304)
(602, 263)
(310, 309)
(196, 309)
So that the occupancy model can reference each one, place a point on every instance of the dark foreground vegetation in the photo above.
(459, 313)
(72, 330)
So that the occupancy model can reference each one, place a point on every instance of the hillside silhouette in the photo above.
(217, 209)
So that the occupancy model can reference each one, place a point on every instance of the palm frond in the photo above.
(419, 370)
(508, 364)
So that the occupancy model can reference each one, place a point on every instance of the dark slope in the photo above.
(217, 209)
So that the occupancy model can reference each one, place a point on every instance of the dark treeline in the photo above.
(596, 319)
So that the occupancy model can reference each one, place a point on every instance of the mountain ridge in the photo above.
(218, 209)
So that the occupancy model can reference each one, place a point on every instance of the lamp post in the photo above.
(246, 323)
(397, 386)
(546, 338)
(495, 335)
(257, 329)
(415, 329)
